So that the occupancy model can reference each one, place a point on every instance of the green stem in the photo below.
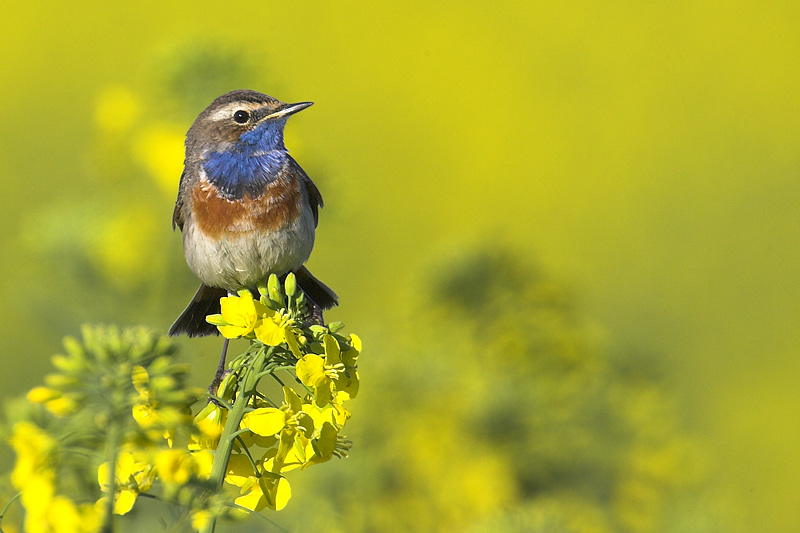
(112, 449)
(225, 446)
(276, 378)
(8, 504)
(220, 401)
(222, 455)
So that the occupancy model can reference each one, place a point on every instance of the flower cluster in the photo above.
(116, 398)
(119, 407)
(35, 475)
(304, 429)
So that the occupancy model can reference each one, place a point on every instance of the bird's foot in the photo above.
(314, 313)
(213, 389)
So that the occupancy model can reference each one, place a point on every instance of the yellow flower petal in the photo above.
(240, 313)
(281, 494)
(254, 499)
(64, 516)
(265, 421)
(102, 475)
(292, 399)
(174, 466)
(239, 470)
(144, 416)
(125, 466)
(355, 342)
(38, 492)
(269, 332)
(233, 332)
(200, 519)
(124, 501)
(34, 450)
(291, 340)
(332, 413)
(347, 389)
(235, 308)
(332, 350)
(326, 443)
(311, 370)
(204, 459)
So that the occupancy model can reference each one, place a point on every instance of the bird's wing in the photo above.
(177, 214)
(314, 196)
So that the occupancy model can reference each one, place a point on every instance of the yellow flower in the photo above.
(258, 489)
(325, 444)
(262, 492)
(158, 421)
(332, 413)
(250, 439)
(201, 519)
(144, 412)
(273, 328)
(141, 382)
(34, 449)
(179, 466)
(239, 315)
(61, 515)
(175, 466)
(305, 449)
(130, 478)
(64, 515)
(323, 374)
(347, 383)
(204, 459)
(239, 469)
(269, 332)
(309, 435)
(210, 421)
(37, 495)
(311, 371)
(33, 475)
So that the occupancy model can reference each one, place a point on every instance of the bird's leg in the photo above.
(314, 312)
(214, 387)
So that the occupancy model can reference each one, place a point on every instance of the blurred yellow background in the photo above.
(638, 161)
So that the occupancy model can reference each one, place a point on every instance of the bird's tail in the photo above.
(318, 292)
(192, 321)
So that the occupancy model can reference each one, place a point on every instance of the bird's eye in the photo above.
(241, 116)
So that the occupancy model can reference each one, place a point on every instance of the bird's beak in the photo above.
(288, 109)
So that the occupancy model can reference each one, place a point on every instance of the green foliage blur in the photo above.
(567, 234)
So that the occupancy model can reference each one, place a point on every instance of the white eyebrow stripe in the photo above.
(227, 111)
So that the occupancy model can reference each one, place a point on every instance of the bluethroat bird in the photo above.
(245, 207)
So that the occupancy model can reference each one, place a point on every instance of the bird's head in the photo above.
(242, 121)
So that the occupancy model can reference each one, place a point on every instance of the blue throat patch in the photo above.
(251, 164)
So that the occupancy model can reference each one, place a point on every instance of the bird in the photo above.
(245, 207)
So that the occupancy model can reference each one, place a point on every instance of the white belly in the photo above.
(243, 259)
